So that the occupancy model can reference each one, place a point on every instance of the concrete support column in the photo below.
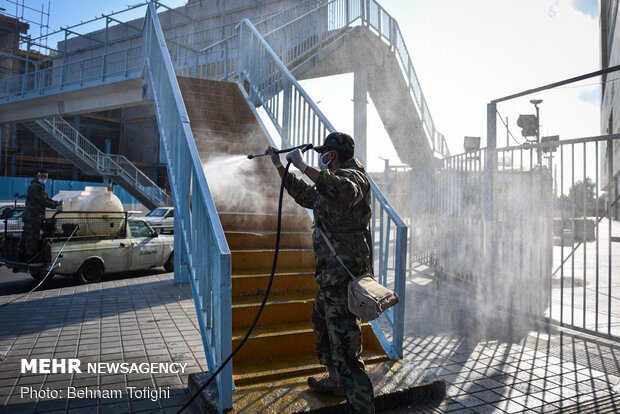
(360, 102)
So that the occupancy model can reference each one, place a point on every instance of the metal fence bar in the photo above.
(598, 234)
(541, 209)
(610, 146)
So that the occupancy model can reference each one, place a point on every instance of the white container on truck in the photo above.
(89, 242)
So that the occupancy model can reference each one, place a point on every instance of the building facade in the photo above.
(610, 101)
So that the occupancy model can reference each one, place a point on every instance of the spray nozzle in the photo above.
(303, 148)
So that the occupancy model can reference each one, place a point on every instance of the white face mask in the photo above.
(322, 164)
(43, 180)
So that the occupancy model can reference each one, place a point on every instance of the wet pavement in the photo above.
(491, 363)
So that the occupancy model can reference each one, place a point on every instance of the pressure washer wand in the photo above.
(303, 148)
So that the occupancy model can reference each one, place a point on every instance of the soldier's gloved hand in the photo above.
(296, 159)
(275, 157)
(59, 206)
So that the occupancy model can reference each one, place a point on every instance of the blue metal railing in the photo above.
(110, 67)
(204, 257)
(111, 165)
(387, 28)
(298, 120)
(302, 38)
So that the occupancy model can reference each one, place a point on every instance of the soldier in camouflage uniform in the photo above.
(34, 213)
(340, 200)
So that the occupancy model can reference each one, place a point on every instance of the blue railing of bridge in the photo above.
(298, 120)
(201, 252)
(304, 37)
(106, 68)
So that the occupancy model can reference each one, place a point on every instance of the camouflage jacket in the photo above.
(340, 201)
(36, 202)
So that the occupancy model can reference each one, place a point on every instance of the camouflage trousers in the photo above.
(339, 343)
(29, 240)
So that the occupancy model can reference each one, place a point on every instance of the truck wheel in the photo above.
(169, 265)
(38, 276)
(91, 271)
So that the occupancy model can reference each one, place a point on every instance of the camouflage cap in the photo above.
(338, 141)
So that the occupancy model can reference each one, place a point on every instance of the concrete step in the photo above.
(212, 96)
(249, 201)
(239, 196)
(248, 372)
(195, 85)
(399, 386)
(263, 222)
(222, 136)
(205, 147)
(279, 309)
(286, 340)
(259, 261)
(231, 113)
(221, 126)
(283, 284)
(263, 181)
(241, 163)
(238, 240)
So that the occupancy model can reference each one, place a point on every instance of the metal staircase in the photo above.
(327, 40)
(75, 147)
(202, 253)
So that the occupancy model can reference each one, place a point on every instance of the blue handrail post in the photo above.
(205, 252)
(224, 318)
(180, 271)
(400, 273)
(286, 109)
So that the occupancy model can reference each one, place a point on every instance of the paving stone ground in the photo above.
(490, 364)
(140, 320)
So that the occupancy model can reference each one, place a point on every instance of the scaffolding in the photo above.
(33, 17)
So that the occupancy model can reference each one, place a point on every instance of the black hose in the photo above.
(49, 270)
(262, 305)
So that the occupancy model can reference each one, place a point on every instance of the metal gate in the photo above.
(545, 242)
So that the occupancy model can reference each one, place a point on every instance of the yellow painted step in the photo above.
(249, 372)
(260, 261)
(295, 307)
(228, 112)
(287, 340)
(263, 222)
(216, 126)
(246, 201)
(210, 86)
(267, 239)
(283, 283)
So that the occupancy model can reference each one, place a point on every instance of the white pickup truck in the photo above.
(87, 246)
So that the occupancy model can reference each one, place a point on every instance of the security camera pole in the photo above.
(536, 102)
